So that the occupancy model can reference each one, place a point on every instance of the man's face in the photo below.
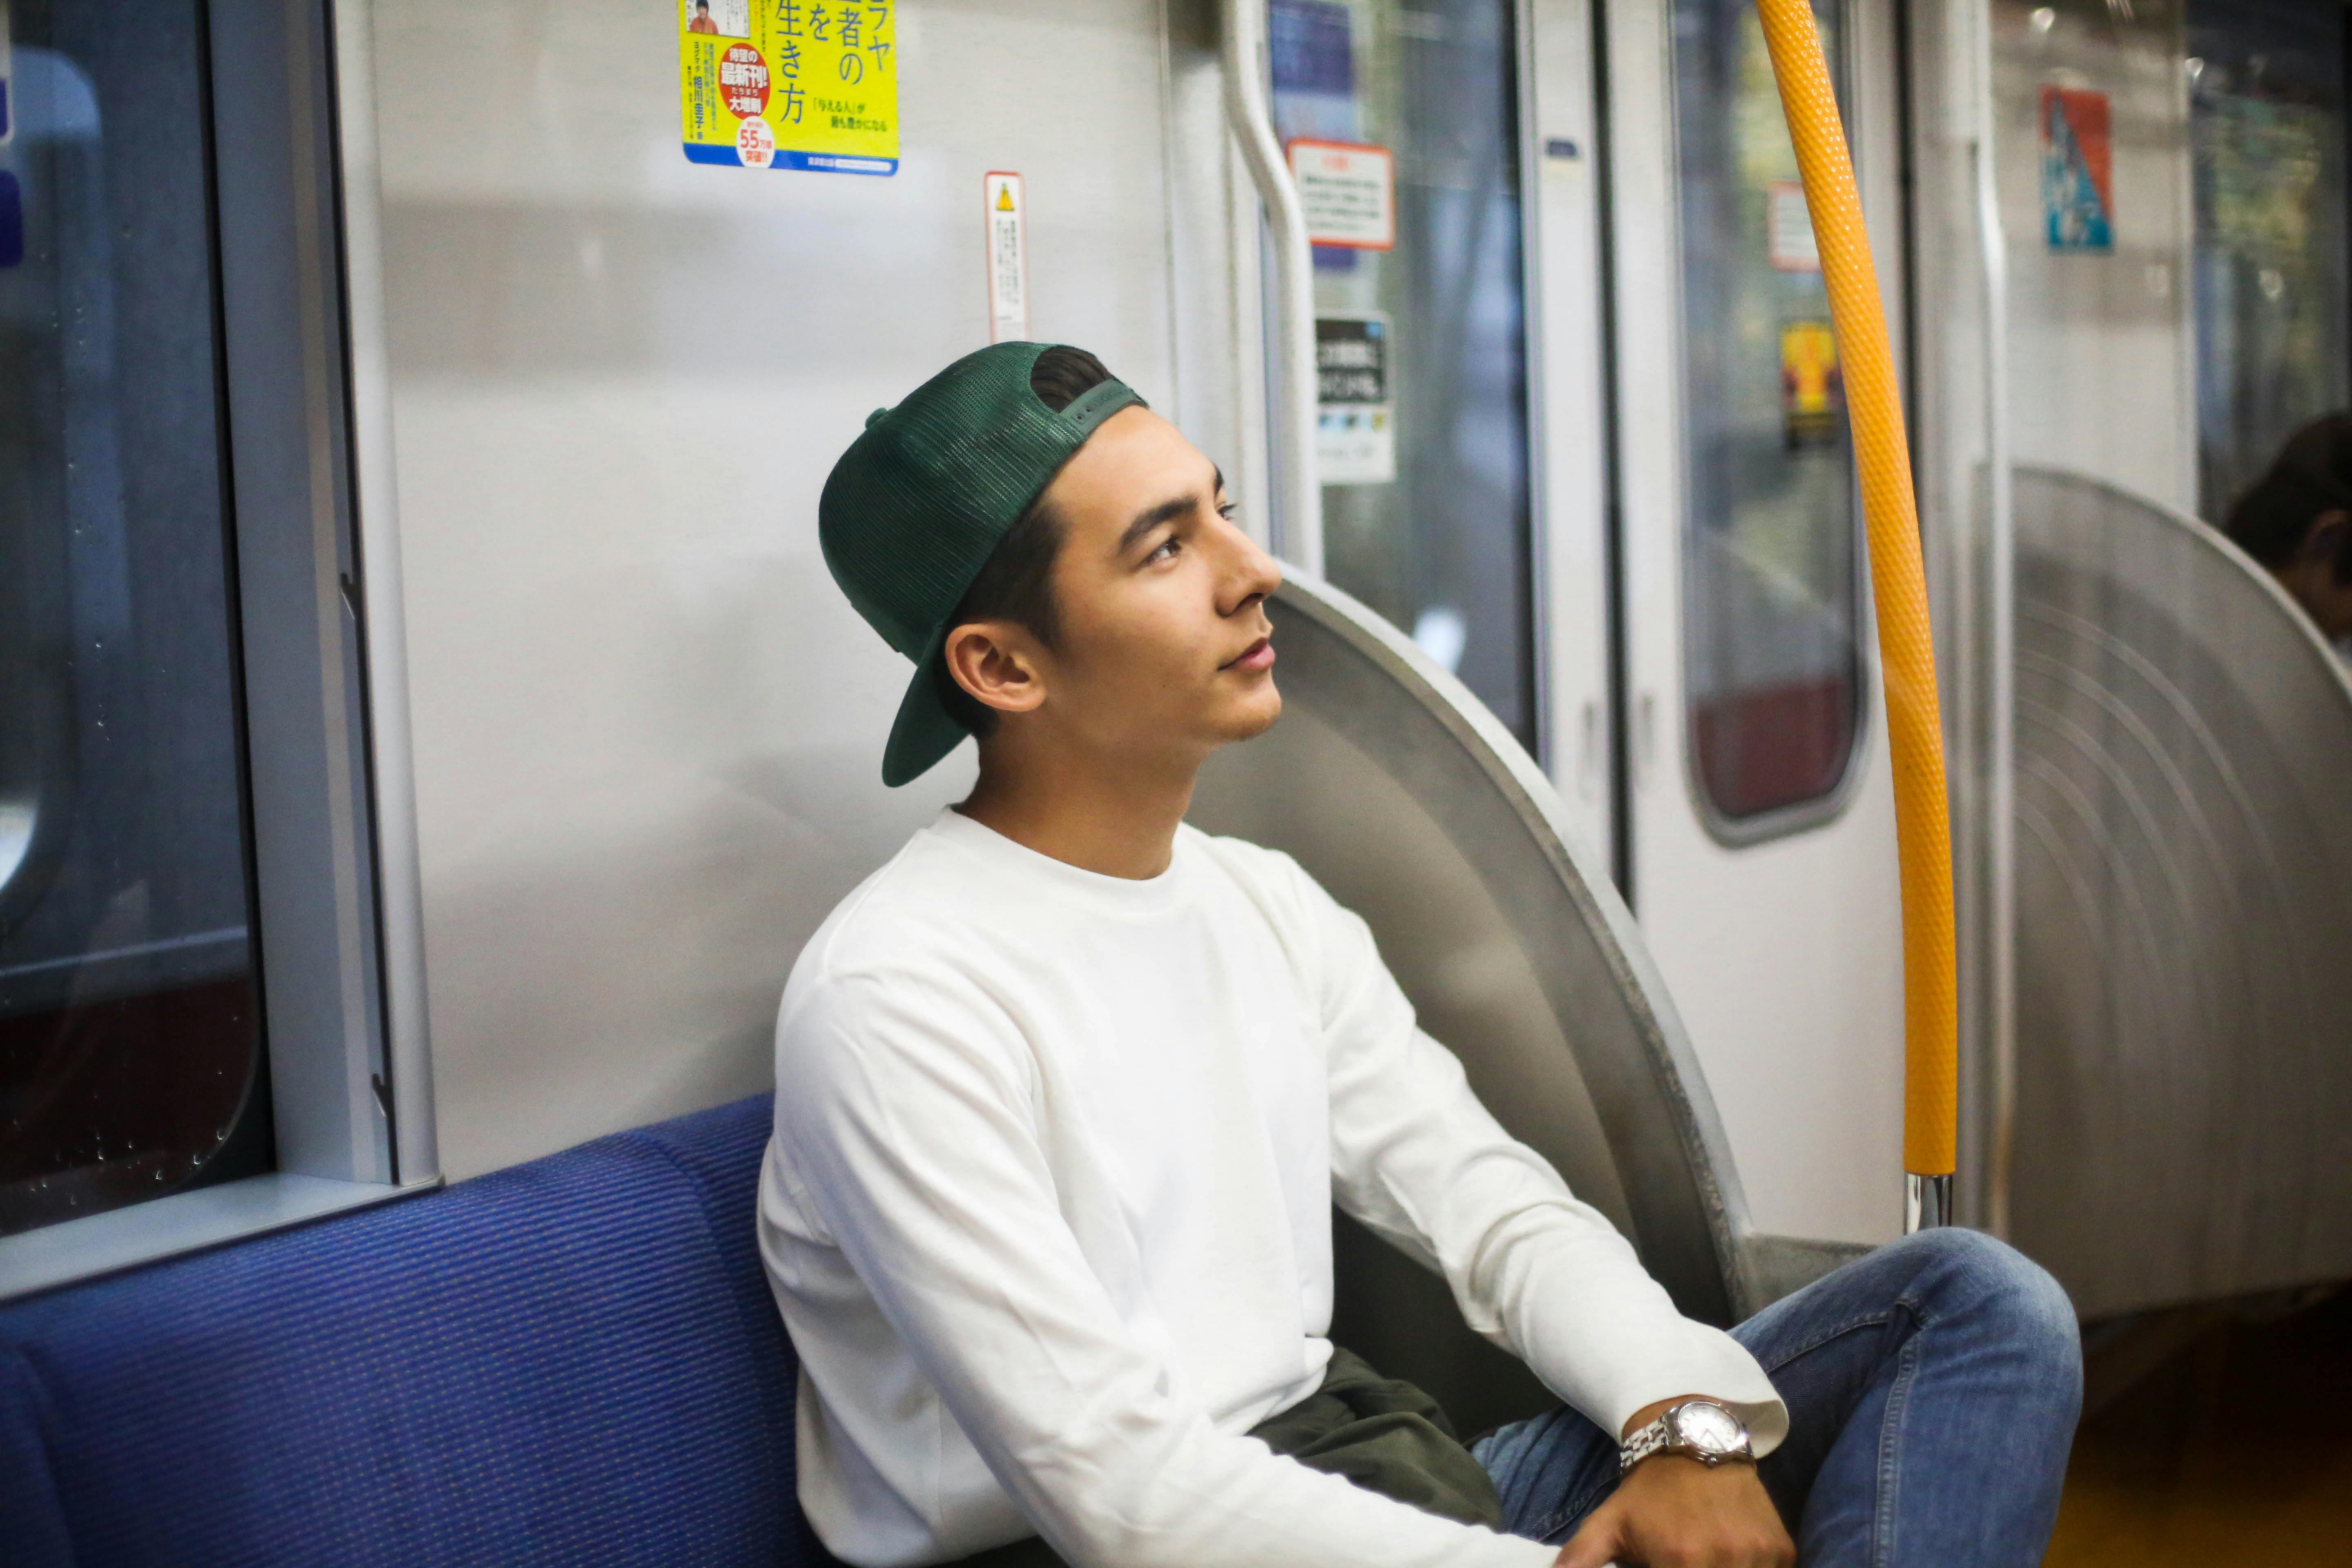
(1165, 644)
(2311, 576)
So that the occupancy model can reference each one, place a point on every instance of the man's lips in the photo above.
(1259, 655)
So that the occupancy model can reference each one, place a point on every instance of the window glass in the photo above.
(2266, 134)
(1420, 321)
(1770, 543)
(130, 1057)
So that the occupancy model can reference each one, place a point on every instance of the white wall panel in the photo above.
(647, 729)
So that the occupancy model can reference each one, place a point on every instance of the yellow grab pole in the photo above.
(1907, 653)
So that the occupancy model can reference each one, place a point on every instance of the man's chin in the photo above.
(1258, 718)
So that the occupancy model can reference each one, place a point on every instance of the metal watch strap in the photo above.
(1659, 1436)
(1649, 1440)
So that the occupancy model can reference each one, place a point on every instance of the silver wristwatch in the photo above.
(1696, 1429)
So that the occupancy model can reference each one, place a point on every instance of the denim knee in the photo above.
(2011, 1297)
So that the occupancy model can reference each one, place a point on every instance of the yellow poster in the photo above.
(789, 84)
(1813, 388)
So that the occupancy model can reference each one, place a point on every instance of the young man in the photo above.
(2297, 520)
(1065, 1091)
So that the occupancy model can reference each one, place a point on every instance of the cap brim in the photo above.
(923, 733)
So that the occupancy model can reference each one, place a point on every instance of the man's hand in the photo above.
(1674, 1513)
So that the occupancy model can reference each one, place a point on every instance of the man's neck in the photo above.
(1107, 815)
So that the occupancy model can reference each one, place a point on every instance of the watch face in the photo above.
(1710, 1429)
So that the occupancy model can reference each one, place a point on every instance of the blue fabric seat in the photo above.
(572, 1361)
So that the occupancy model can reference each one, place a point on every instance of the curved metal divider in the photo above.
(2184, 867)
(1397, 790)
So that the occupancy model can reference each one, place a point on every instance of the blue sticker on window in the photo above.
(12, 222)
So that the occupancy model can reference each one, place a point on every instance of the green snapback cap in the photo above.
(914, 508)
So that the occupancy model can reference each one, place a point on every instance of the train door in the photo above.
(1762, 860)
(1457, 333)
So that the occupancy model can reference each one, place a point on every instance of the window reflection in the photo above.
(129, 1037)
(2267, 135)
(1423, 447)
(1770, 565)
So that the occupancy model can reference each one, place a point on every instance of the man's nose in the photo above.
(1249, 573)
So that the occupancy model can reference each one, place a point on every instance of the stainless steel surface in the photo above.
(1299, 515)
(1398, 791)
(408, 1050)
(300, 577)
(1996, 672)
(1926, 1201)
(2184, 828)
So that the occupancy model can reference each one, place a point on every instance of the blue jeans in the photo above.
(1932, 1389)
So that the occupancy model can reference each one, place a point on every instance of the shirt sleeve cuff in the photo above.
(1716, 1367)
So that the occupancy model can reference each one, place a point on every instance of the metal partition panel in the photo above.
(1405, 798)
(2184, 832)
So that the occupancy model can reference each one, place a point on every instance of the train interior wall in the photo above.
(646, 724)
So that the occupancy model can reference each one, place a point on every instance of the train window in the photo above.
(2266, 122)
(192, 1003)
(1423, 447)
(1770, 578)
(131, 1051)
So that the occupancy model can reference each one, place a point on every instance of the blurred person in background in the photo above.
(2297, 521)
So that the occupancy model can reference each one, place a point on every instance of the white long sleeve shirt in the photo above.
(1047, 1214)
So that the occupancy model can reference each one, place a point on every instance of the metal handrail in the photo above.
(1249, 110)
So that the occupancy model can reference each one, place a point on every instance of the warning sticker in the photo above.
(1355, 426)
(1349, 191)
(1789, 228)
(1005, 207)
(789, 84)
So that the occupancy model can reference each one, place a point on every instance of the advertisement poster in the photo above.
(1789, 228)
(1355, 426)
(1812, 392)
(2078, 195)
(1349, 191)
(789, 84)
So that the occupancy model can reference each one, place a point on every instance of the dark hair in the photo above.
(1016, 582)
(2311, 475)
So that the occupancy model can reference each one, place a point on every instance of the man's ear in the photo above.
(998, 663)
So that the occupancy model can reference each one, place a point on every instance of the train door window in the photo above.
(1770, 568)
(188, 989)
(131, 1051)
(1420, 323)
(2266, 123)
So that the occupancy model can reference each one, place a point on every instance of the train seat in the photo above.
(576, 1360)
(573, 1360)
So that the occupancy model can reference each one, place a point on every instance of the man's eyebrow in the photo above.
(1151, 518)
(1166, 511)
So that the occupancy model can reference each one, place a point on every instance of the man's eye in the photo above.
(1165, 550)
(1226, 508)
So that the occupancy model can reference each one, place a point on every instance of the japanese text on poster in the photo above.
(1348, 190)
(789, 84)
(1355, 426)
